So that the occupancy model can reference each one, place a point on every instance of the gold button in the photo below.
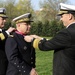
(24, 71)
(25, 47)
(19, 70)
(22, 66)
(31, 58)
(31, 62)
(15, 63)
(18, 66)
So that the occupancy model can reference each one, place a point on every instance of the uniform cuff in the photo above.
(35, 43)
(7, 32)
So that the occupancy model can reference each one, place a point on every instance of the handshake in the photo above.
(29, 38)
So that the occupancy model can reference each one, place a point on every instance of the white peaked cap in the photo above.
(3, 12)
(67, 7)
(27, 15)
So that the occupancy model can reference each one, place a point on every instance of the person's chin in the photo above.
(27, 32)
(2, 26)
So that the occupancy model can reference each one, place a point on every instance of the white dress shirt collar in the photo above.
(70, 24)
(1, 30)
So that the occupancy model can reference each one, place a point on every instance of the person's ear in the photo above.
(70, 16)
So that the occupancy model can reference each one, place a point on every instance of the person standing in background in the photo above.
(3, 36)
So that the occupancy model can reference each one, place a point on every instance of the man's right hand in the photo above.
(28, 38)
(36, 36)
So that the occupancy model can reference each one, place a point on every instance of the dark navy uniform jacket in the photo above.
(3, 59)
(63, 45)
(20, 55)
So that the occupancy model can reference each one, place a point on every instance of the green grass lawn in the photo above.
(44, 62)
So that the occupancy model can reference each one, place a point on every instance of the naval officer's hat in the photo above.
(23, 18)
(65, 9)
(3, 13)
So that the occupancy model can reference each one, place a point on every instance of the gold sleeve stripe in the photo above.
(2, 37)
(35, 43)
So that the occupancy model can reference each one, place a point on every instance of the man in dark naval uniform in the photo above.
(20, 54)
(63, 43)
(3, 35)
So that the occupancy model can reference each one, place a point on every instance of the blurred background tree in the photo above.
(45, 23)
(49, 9)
